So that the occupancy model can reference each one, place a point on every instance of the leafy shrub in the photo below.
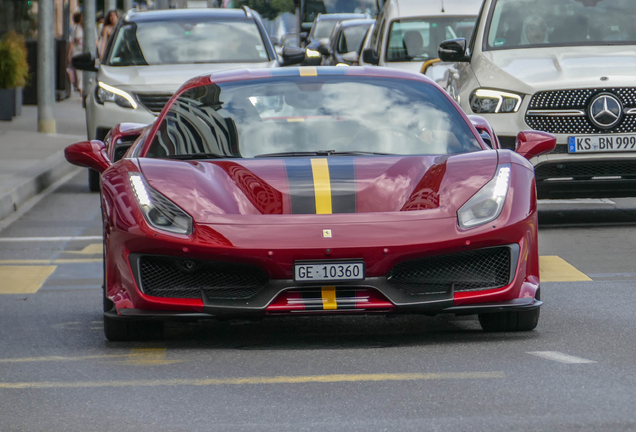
(14, 68)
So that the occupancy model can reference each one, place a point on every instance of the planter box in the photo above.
(7, 103)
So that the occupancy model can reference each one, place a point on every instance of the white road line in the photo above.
(47, 239)
(560, 357)
(577, 201)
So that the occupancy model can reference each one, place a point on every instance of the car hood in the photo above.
(166, 78)
(534, 69)
(437, 186)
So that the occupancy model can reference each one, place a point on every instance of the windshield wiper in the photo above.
(321, 153)
(196, 156)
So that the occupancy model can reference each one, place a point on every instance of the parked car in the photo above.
(318, 39)
(150, 54)
(312, 8)
(346, 41)
(408, 32)
(567, 69)
(316, 191)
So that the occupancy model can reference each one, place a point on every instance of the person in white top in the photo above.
(76, 46)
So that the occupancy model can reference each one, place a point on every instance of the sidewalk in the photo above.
(31, 161)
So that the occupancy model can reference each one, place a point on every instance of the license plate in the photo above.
(325, 271)
(601, 143)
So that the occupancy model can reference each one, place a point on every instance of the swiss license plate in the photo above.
(328, 271)
(601, 143)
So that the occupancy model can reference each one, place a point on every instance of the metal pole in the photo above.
(46, 68)
(298, 22)
(109, 5)
(161, 4)
(127, 5)
(89, 41)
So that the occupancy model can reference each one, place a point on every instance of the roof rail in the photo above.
(248, 11)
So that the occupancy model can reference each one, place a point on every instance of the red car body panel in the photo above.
(400, 208)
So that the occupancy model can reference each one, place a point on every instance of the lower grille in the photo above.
(466, 271)
(585, 170)
(154, 102)
(184, 278)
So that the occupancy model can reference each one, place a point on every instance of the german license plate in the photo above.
(328, 271)
(601, 143)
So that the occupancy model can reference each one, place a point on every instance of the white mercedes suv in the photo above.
(566, 67)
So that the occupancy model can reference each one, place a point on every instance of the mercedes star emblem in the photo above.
(605, 111)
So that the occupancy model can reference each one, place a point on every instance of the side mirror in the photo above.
(369, 56)
(534, 143)
(351, 57)
(323, 50)
(292, 55)
(84, 61)
(453, 50)
(485, 130)
(88, 154)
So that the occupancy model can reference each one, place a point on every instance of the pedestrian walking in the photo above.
(76, 46)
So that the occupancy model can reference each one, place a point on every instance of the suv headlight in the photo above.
(486, 205)
(484, 101)
(106, 93)
(159, 211)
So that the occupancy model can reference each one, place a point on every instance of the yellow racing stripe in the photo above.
(322, 185)
(329, 298)
(308, 71)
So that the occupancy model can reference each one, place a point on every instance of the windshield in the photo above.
(418, 39)
(351, 38)
(315, 7)
(187, 41)
(326, 115)
(534, 23)
(324, 28)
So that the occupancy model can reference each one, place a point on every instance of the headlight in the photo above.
(106, 93)
(312, 53)
(158, 210)
(486, 205)
(484, 101)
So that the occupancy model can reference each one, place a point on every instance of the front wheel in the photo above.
(510, 321)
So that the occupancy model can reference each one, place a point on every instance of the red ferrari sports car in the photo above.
(315, 191)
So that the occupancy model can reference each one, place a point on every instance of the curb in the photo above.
(54, 168)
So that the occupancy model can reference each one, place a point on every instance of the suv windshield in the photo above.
(315, 7)
(417, 39)
(324, 28)
(298, 116)
(540, 23)
(187, 41)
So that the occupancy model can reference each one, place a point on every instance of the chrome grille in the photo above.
(558, 101)
(579, 99)
(467, 271)
(154, 102)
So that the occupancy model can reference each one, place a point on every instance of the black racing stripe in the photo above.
(301, 185)
(342, 176)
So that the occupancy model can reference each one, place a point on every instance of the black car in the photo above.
(317, 41)
(346, 40)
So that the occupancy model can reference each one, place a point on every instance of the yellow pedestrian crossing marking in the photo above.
(148, 357)
(91, 249)
(380, 377)
(556, 269)
(32, 262)
(14, 280)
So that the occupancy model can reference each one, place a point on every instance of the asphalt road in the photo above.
(366, 373)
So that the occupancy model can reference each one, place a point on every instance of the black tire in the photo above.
(93, 180)
(510, 321)
(117, 330)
